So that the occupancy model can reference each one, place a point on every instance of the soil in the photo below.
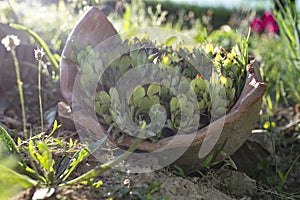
(161, 184)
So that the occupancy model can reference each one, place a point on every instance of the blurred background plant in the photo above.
(51, 19)
(289, 24)
(276, 46)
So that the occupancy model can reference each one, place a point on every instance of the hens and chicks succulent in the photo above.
(165, 88)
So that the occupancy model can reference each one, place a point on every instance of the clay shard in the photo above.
(92, 29)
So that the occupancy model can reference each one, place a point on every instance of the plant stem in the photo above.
(40, 96)
(20, 88)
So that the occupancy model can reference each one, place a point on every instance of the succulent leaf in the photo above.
(153, 89)
(145, 103)
(138, 94)
(124, 63)
(170, 41)
(103, 97)
(142, 57)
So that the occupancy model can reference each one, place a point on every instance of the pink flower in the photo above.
(268, 17)
(257, 25)
(272, 28)
(269, 23)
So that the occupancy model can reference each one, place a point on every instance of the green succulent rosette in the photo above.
(209, 77)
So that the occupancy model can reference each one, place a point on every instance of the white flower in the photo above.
(39, 53)
(10, 42)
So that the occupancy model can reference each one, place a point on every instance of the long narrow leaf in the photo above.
(46, 159)
(11, 177)
(104, 167)
(7, 145)
(77, 158)
(22, 168)
(80, 156)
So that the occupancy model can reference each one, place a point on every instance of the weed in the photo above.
(44, 172)
(39, 53)
(11, 42)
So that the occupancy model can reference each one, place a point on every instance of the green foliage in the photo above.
(289, 22)
(43, 158)
(225, 38)
(43, 170)
(52, 21)
(279, 55)
(137, 15)
(274, 172)
(7, 145)
(10, 180)
(269, 50)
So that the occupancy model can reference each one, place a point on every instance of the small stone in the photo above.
(238, 183)
(43, 193)
(257, 148)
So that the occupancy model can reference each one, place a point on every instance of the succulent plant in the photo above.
(192, 86)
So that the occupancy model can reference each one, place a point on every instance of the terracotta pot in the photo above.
(220, 139)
